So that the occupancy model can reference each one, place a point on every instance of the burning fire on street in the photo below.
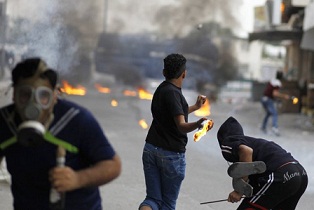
(144, 94)
(143, 124)
(69, 89)
(102, 89)
(80, 90)
(114, 103)
(141, 93)
(129, 93)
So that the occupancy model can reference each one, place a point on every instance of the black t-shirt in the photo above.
(167, 103)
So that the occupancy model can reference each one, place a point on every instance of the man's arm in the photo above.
(193, 108)
(278, 94)
(245, 155)
(66, 179)
(185, 127)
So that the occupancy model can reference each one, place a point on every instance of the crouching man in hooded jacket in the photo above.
(283, 182)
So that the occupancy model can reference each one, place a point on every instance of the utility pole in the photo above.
(3, 4)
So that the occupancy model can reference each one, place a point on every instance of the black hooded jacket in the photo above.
(230, 136)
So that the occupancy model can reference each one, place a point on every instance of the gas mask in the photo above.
(31, 103)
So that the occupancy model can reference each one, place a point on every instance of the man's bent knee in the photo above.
(149, 204)
(145, 208)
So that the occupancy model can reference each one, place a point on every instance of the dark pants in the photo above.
(280, 190)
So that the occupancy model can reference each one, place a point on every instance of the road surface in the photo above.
(206, 178)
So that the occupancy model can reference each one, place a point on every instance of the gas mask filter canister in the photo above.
(30, 133)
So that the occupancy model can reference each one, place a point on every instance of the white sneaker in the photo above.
(275, 131)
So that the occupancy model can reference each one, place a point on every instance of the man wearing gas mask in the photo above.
(52, 145)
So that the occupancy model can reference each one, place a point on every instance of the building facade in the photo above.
(290, 24)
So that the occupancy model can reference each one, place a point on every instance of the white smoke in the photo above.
(50, 38)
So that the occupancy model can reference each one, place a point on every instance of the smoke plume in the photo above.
(65, 33)
(58, 31)
(170, 18)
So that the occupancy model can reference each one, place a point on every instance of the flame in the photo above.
(295, 100)
(102, 89)
(204, 110)
(114, 103)
(208, 124)
(282, 7)
(129, 93)
(143, 94)
(143, 124)
(69, 89)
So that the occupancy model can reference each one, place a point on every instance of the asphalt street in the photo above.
(206, 177)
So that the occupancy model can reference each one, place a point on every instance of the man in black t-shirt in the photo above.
(164, 150)
(280, 186)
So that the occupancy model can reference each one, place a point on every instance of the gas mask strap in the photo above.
(8, 142)
(49, 138)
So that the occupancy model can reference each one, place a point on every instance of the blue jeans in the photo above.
(164, 172)
(270, 109)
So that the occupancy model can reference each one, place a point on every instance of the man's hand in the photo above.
(64, 179)
(234, 197)
(200, 122)
(201, 99)
(278, 94)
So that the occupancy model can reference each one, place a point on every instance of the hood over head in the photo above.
(231, 127)
(229, 135)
